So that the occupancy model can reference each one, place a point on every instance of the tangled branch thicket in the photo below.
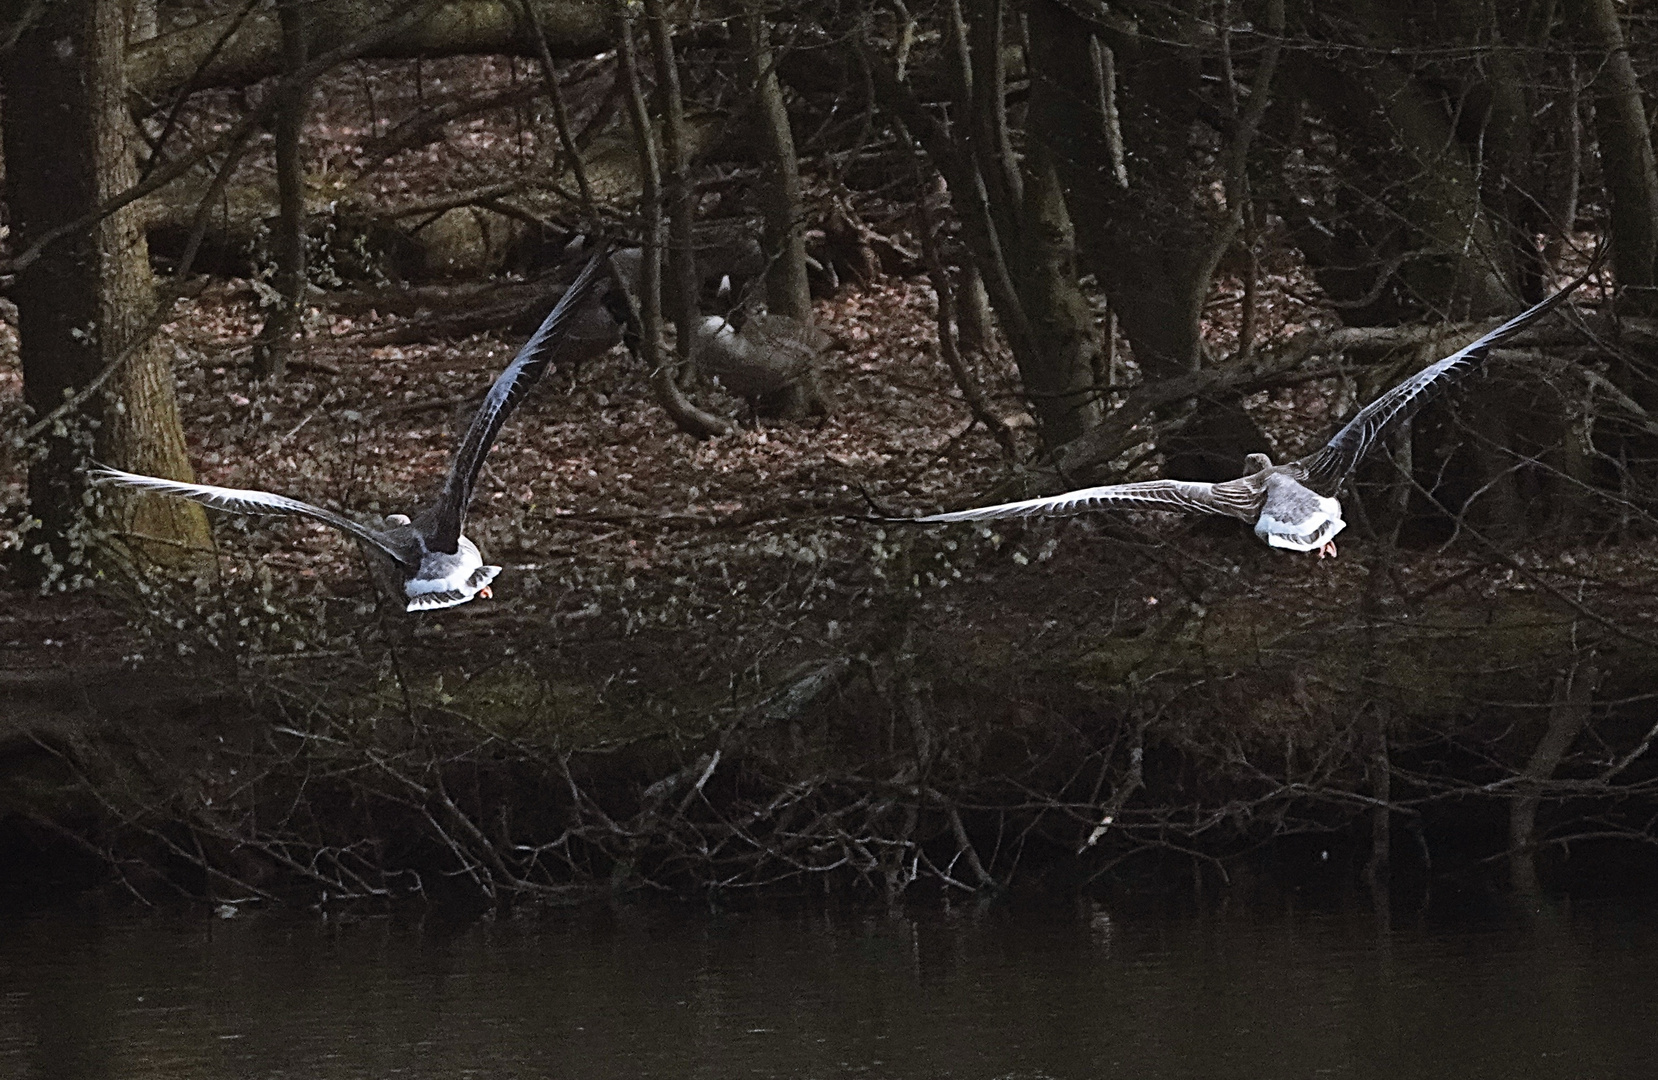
(1053, 243)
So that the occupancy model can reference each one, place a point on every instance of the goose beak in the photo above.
(1328, 550)
(484, 593)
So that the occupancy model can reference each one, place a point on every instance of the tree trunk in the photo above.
(1029, 211)
(1142, 243)
(1019, 230)
(203, 56)
(985, 105)
(949, 321)
(276, 337)
(682, 410)
(1061, 384)
(968, 194)
(1628, 167)
(1513, 188)
(1428, 185)
(1630, 173)
(682, 261)
(83, 304)
(1424, 228)
(787, 290)
(973, 320)
(1147, 244)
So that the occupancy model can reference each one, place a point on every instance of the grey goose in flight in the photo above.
(424, 555)
(1293, 505)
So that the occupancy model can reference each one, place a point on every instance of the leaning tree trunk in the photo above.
(787, 290)
(1568, 714)
(82, 306)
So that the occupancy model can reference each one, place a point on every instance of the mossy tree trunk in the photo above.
(1439, 212)
(1067, 340)
(1037, 227)
(84, 304)
(1015, 222)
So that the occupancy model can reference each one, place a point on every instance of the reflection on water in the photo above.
(993, 993)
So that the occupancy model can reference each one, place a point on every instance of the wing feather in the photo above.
(1233, 499)
(1327, 467)
(244, 501)
(442, 523)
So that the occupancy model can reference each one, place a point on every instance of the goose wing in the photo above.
(247, 501)
(442, 523)
(1234, 498)
(1325, 469)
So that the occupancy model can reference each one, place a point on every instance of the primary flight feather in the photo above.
(425, 556)
(1291, 506)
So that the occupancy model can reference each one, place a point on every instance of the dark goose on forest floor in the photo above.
(423, 557)
(1293, 505)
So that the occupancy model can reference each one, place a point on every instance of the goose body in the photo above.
(1291, 506)
(444, 580)
(1296, 518)
(768, 355)
(425, 558)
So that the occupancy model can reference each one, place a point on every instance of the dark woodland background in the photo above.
(1046, 242)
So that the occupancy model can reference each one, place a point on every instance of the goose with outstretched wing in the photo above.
(1291, 506)
(425, 556)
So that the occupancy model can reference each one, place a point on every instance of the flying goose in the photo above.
(1293, 505)
(424, 555)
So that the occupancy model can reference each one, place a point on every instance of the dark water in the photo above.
(1085, 992)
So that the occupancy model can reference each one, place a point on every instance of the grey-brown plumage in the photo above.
(1291, 506)
(767, 356)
